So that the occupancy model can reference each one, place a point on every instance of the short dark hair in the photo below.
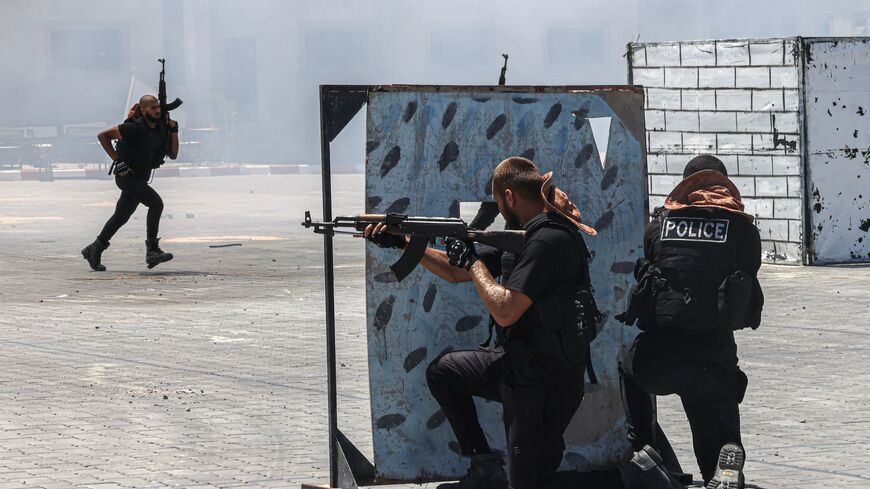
(704, 162)
(519, 175)
(148, 101)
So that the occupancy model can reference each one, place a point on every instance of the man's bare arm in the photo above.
(506, 306)
(433, 260)
(436, 262)
(106, 137)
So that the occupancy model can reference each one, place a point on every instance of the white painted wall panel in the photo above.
(837, 98)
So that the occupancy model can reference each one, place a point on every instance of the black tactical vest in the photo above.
(146, 154)
(535, 342)
(696, 250)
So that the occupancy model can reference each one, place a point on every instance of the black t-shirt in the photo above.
(140, 145)
(550, 258)
(718, 347)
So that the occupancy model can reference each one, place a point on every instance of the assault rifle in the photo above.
(421, 230)
(165, 107)
(501, 78)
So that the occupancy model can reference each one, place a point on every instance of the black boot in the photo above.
(729, 468)
(647, 471)
(93, 254)
(154, 255)
(486, 472)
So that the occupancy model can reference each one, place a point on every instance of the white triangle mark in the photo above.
(601, 134)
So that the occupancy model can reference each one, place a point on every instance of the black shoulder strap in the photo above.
(586, 277)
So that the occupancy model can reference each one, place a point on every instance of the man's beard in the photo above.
(155, 120)
(512, 221)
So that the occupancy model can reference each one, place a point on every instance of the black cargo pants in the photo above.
(709, 392)
(535, 417)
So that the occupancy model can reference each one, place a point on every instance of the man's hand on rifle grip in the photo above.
(461, 253)
(377, 234)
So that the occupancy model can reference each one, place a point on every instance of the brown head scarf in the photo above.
(706, 188)
(557, 201)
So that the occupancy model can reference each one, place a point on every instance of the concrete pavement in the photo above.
(209, 370)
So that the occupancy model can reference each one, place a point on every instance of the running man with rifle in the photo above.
(144, 139)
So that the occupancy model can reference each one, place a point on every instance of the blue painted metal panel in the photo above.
(429, 149)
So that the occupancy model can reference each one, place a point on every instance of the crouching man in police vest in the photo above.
(539, 385)
(696, 285)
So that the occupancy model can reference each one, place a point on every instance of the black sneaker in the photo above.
(729, 469)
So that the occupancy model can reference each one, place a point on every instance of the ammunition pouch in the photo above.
(567, 323)
(642, 300)
(740, 301)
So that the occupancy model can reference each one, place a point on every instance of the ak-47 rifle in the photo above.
(420, 230)
(165, 107)
(501, 78)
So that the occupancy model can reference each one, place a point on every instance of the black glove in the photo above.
(387, 240)
(461, 253)
(121, 168)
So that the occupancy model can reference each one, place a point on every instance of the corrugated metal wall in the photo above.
(428, 151)
(738, 100)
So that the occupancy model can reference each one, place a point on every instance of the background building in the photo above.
(248, 71)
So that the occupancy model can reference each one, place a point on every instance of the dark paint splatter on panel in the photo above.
(372, 145)
(449, 114)
(529, 154)
(410, 110)
(467, 323)
(414, 358)
(609, 177)
(622, 267)
(386, 278)
(384, 313)
(552, 115)
(436, 420)
(865, 225)
(373, 202)
(580, 116)
(429, 298)
(448, 155)
(389, 421)
(524, 100)
(399, 206)
(604, 221)
(583, 157)
(391, 160)
(496, 126)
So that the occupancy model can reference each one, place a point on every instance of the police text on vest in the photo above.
(695, 229)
